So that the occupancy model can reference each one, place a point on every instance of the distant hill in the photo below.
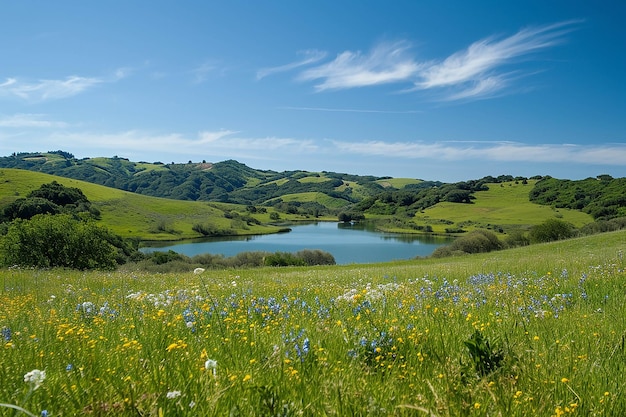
(227, 181)
(237, 191)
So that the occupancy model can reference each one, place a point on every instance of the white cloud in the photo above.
(52, 89)
(609, 154)
(475, 72)
(310, 56)
(206, 144)
(30, 121)
(386, 63)
(476, 64)
(42, 90)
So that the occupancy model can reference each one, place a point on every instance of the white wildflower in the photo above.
(35, 378)
(173, 394)
(212, 365)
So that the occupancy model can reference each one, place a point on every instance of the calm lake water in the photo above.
(348, 243)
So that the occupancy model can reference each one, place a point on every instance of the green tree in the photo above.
(26, 208)
(58, 241)
(60, 194)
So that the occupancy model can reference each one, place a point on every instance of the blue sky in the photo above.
(437, 90)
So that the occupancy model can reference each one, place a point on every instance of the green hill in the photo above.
(157, 201)
(503, 207)
(227, 181)
(147, 218)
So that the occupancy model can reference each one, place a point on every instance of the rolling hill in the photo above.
(143, 217)
(156, 201)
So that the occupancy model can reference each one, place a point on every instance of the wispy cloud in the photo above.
(53, 89)
(310, 57)
(385, 63)
(602, 154)
(30, 121)
(206, 144)
(481, 70)
(474, 71)
(232, 144)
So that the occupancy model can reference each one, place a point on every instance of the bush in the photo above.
(517, 238)
(551, 230)
(60, 194)
(27, 208)
(160, 258)
(283, 259)
(479, 240)
(316, 257)
(58, 241)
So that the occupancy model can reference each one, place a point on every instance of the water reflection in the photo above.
(347, 242)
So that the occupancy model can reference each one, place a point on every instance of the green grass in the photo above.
(398, 182)
(313, 179)
(382, 339)
(506, 206)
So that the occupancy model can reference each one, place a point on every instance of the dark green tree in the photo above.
(60, 194)
(26, 208)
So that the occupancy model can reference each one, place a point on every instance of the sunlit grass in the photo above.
(386, 339)
(505, 205)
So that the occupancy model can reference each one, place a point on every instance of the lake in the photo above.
(348, 243)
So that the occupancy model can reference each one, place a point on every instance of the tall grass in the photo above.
(532, 331)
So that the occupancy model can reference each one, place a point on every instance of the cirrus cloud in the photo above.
(472, 73)
(54, 89)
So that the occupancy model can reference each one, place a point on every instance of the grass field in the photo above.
(397, 182)
(534, 331)
(505, 205)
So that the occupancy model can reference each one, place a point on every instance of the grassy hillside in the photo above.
(397, 182)
(138, 216)
(504, 205)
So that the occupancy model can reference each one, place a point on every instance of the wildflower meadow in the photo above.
(536, 331)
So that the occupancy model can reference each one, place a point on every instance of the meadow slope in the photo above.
(532, 331)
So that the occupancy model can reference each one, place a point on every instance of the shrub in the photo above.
(316, 257)
(60, 194)
(551, 230)
(58, 241)
(283, 259)
(160, 258)
(479, 240)
(517, 238)
(207, 229)
(26, 208)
